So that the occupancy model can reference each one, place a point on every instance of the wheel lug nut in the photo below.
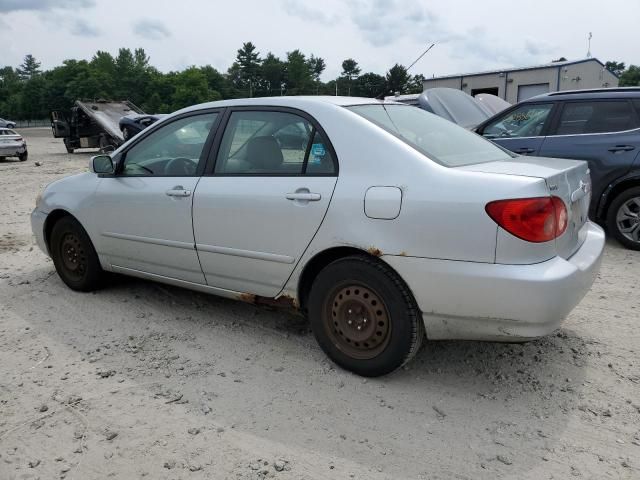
(349, 322)
(359, 327)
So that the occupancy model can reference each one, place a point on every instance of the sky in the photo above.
(469, 35)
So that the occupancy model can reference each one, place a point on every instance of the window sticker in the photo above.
(317, 150)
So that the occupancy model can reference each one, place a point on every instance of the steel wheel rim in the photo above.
(628, 219)
(357, 321)
(74, 259)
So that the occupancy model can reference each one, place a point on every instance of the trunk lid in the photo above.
(567, 179)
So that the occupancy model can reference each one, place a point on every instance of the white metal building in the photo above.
(518, 84)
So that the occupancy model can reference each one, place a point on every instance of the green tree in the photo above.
(273, 74)
(350, 71)
(416, 84)
(617, 68)
(297, 74)
(192, 88)
(369, 85)
(397, 79)
(350, 68)
(630, 77)
(244, 72)
(30, 68)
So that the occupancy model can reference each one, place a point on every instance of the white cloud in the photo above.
(151, 29)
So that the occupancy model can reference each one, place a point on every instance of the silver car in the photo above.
(7, 123)
(12, 144)
(377, 220)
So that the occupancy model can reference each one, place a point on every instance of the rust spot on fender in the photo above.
(376, 252)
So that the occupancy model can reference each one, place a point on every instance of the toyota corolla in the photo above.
(380, 222)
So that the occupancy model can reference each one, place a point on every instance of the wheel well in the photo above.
(51, 220)
(615, 191)
(317, 263)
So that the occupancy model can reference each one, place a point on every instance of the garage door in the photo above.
(528, 91)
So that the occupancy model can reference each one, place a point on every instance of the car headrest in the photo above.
(264, 153)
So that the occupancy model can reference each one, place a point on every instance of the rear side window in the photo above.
(525, 121)
(272, 143)
(596, 117)
(439, 139)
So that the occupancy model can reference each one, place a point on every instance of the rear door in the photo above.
(257, 210)
(521, 129)
(605, 133)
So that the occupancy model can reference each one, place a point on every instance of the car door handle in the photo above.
(304, 196)
(178, 191)
(622, 148)
(525, 150)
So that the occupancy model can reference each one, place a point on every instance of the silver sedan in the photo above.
(379, 221)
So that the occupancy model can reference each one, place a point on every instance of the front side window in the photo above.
(525, 121)
(596, 117)
(272, 143)
(174, 150)
(439, 139)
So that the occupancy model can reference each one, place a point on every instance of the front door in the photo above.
(59, 124)
(145, 209)
(520, 130)
(257, 212)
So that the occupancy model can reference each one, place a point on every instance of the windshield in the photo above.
(439, 139)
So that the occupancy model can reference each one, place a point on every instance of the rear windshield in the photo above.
(435, 137)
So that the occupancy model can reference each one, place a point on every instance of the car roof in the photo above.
(292, 101)
(596, 93)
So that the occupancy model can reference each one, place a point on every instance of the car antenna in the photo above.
(381, 95)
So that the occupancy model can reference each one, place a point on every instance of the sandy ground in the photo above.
(141, 380)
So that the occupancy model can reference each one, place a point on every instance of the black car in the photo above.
(599, 126)
(131, 125)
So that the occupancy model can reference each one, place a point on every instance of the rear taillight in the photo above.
(532, 219)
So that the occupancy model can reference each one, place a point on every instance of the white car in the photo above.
(12, 145)
(379, 222)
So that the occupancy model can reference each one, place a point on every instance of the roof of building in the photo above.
(587, 94)
(520, 69)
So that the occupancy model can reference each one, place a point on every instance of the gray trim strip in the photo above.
(270, 257)
(153, 241)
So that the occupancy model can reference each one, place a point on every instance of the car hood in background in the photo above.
(454, 105)
(491, 103)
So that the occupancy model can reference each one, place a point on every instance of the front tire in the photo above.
(364, 317)
(623, 218)
(74, 257)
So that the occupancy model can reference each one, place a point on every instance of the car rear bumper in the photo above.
(37, 227)
(481, 301)
(11, 150)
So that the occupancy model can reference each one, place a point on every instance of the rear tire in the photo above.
(364, 317)
(623, 218)
(74, 257)
(23, 156)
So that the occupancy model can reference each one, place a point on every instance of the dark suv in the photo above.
(599, 126)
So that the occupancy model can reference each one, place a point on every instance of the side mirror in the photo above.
(102, 164)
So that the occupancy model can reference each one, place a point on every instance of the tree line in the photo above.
(28, 92)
